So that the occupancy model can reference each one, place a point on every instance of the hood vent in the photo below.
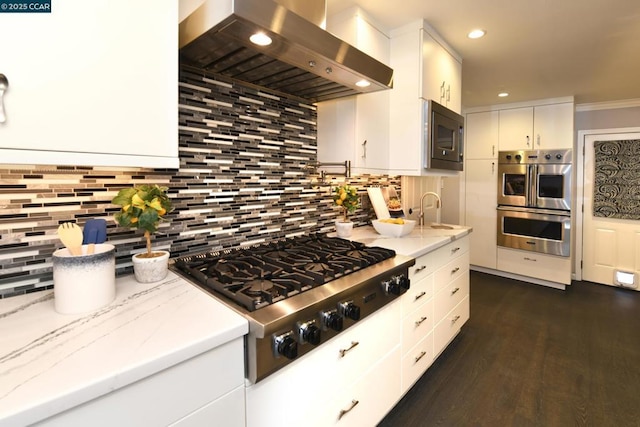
(303, 59)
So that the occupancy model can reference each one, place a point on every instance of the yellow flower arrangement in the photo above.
(143, 207)
(347, 198)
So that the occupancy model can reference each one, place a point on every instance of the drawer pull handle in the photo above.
(454, 291)
(419, 269)
(344, 412)
(530, 259)
(455, 270)
(454, 250)
(419, 322)
(455, 319)
(420, 295)
(344, 351)
(420, 356)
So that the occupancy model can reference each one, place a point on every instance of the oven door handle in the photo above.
(533, 210)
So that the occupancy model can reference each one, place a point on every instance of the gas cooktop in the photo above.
(259, 276)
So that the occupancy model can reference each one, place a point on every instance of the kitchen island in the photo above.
(141, 349)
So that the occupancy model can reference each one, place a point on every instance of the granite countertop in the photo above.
(51, 362)
(422, 240)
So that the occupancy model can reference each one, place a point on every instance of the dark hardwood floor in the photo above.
(534, 356)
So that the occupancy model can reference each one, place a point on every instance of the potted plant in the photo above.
(143, 207)
(347, 198)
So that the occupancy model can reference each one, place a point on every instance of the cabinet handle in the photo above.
(448, 93)
(538, 140)
(420, 295)
(455, 319)
(454, 291)
(420, 356)
(493, 150)
(344, 351)
(364, 149)
(454, 250)
(455, 270)
(4, 85)
(530, 259)
(419, 322)
(493, 167)
(442, 92)
(344, 412)
(527, 140)
(419, 269)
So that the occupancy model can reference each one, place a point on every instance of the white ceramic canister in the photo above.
(84, 283)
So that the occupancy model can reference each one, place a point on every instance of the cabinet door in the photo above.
(441, 74)
(92, 78)
(372, 133)
(482, 135)
(516, 129)
(481, 200)
(553, 126)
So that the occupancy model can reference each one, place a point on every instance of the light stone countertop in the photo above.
(420, 241)
(51, 362)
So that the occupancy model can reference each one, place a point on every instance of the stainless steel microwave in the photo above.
(443, 137)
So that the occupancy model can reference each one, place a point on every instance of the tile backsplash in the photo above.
(244, 178)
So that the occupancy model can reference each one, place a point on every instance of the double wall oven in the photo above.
(534, 201)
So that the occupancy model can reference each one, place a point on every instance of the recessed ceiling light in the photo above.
(503, 94)
(363, 83)
(261, 39)
(476, 34)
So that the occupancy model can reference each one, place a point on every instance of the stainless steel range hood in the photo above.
(303, 60)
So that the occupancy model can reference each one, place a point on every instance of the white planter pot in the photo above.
(148, 270)
(344, 229)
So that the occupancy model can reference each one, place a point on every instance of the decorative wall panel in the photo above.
(616, 189)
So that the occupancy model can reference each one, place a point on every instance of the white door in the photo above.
(609, 244)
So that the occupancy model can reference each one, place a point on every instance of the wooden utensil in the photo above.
(71, 236)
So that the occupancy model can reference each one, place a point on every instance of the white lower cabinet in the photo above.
(439, 292)
(533, 264)
(205, 390)
(362, 364)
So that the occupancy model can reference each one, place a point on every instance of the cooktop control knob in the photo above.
(404, 282)
(558, 156)
(518, 157)
(508, 156)
(547, 156)
(350, 310)
(310, 333)
(332, 320)
(285, 345)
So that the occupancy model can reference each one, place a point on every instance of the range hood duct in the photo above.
(303, 60)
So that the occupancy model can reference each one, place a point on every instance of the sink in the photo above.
(441, 227)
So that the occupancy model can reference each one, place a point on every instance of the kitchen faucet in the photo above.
(438, 203)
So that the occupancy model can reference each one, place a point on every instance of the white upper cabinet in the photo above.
(92, 83)
(481, 135)
(356, 128)
(442, 73)
(538, 127)
(421, 63)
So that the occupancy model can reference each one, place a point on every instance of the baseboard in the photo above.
(527, 279)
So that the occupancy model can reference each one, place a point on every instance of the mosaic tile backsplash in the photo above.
(245, 177)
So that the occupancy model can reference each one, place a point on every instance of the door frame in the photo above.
(578, 204)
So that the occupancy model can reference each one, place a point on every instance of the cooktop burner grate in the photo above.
(258, 276)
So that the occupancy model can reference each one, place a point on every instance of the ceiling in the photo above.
(533, 49)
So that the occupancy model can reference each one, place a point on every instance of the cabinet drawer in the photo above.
(367, 401)
(416, 361)
(451, 271)
(448, 297)
(416, 325)
(448, 327)
(419, 292)
(533, 264)
(452, 250)
(425, 265)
